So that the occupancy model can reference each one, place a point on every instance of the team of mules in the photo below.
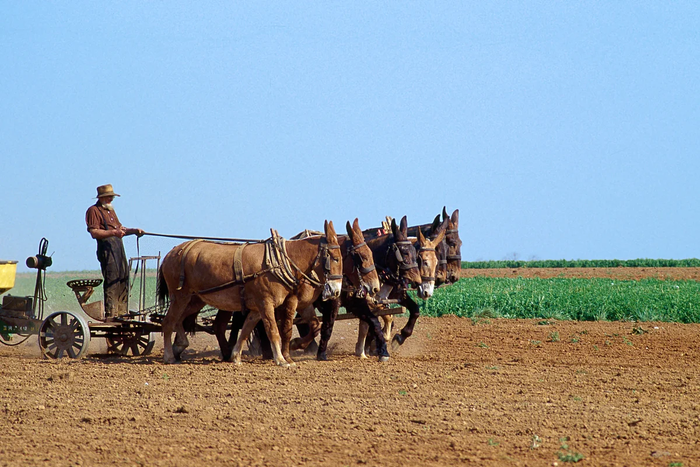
(273, 280)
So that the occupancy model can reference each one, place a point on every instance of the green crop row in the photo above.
(569, 299)
(585, 263)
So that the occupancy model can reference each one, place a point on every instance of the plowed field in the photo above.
(459, 391)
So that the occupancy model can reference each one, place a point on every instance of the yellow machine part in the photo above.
(8, 269)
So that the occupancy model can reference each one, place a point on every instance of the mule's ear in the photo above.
(443, 227)
(330, 232)
(455, 218)
(421, 237)
(441, 232)
(394, 228)
(444, 213)
(436, 224)
(404, 226)
(349, 230)
(356, 225)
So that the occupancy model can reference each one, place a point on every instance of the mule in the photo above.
(395, 259)
(454, 247)
(427, 246)
(359, 273)
(242, 277)
(448, 251)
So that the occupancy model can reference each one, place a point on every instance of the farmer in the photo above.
(104, 226)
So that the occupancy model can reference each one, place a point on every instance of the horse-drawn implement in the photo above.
(235, 286)
(68, 333)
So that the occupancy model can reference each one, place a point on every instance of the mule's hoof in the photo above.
(384, 358)
(396, 342)
(322, 357)
(295, 343)
(362, 356)
(312, 348)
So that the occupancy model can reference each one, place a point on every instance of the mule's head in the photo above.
(454, 246)
(332, 261)
(440, 252)
(401, 255)
(427, 259)
(361, 268)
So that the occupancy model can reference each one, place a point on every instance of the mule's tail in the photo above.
(190, 323)
(162, 288)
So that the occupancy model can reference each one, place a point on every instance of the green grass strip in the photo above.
(568, 299)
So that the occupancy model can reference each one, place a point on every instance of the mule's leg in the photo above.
(220, 324)
(382, 352)
(329, 310)
(308, 328)
(370, 341)
(303, 328)
(388, 326)
(413, 313)
(361, 309)
(268, 318)
(362, 330)
(250, 321)
(172, 317)
(289, 310)
(181, 342)
(260, 334)
(309, 343)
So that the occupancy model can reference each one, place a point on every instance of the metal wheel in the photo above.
(133, 343)
(64, 334)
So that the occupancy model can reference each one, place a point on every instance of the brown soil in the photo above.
(488, 392)
(606, 273)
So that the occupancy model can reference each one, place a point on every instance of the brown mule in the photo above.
(360, 276)
(395, 258)
(426, 249)
(454, 248)
(303, 298)
(449, 252)
(201, 273)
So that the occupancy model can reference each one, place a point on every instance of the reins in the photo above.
(190, 237)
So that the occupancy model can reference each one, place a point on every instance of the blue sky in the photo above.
(558, 129)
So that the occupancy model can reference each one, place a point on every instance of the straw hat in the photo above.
(105, 190)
